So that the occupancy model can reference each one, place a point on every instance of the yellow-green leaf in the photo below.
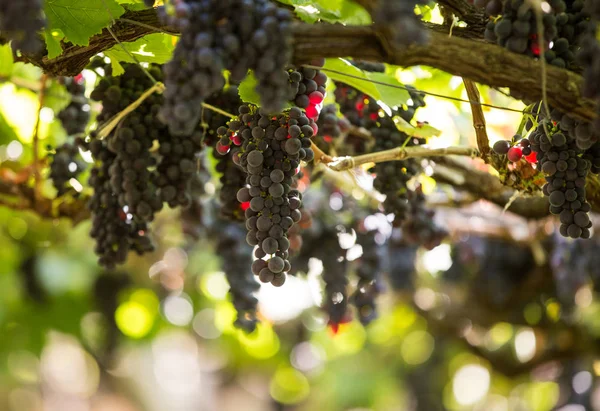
(81, 19)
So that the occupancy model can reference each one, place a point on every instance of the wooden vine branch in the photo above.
(398, 153)
(474, 59)
(483, 143)
(488, 187)
(19, 196)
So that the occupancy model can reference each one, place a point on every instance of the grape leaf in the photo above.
(248, 94)
(6, 60)
(53, 38)
(7, 133)
(422, 131)
(330, 11)
(153, 48)
(247, 90)
(390, 96)
(81, 19)
(363, 81)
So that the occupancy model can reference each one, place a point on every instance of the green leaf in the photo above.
(421, 131)
(153, 48)
(57, 97)
(53, 38)
(247, 90)
(6, 60)
(330, 11)
(81, 19)
(390, 96)
(363, 81)
(7, 133)
(117, 67)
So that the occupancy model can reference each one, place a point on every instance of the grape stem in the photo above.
(342, 181)
(398, 153)
(109, 126)
(483, 142)
(36, 140)
(218, 110)
(320, 156)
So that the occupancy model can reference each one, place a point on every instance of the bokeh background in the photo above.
(159, 335)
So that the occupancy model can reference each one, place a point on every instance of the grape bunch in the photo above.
(177, 167)
(115, 230)
(307, 88)
(140, 179)
(235, 35)
(589, 56)
(563, 28)
(270, 153)
(574, 264)
(66, 164)
(371, 66)
(330, 125)
(21, 21)
(420, 226)
(237, 258)
(227, 100)
(402, 260)
(232, 179)
(492, 7)
(132, 172)
(369, 271)
(493, 267)
(584, 132)
(399, 16)
(391, 177)
(560, 160)
(75, 117)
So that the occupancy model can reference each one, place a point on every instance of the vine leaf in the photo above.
(53, 38)
(247, 91)
(153, 48)
(81, 19)
(390, 96)
(6, 60)
(330, 11)
(421, 131)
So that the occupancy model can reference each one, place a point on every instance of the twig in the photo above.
(340, 180)
(218, 110)
(107, 127)
(36, 139)
(149, 27)
(320, 156)
(399, 153)
(483, 143)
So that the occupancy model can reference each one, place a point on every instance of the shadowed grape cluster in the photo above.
(399, 16)
(75, 117)
(563, 28)
(66, 163)
(561, 161)
(237, 258)
(369, 271)
(235, 35)
(20, 21)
